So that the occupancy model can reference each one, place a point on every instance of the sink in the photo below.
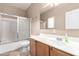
(52, 38)
(47, 37)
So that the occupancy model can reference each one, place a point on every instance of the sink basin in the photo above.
(46, 37)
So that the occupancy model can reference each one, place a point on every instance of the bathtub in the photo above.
(12, 46)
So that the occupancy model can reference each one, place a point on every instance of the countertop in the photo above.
(72, 47)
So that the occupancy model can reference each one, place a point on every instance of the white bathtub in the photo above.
(12, 46)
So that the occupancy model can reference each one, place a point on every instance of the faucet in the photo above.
(59, 39)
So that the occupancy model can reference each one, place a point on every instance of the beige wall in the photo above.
(34, 13)
(59, 13)
(12, 10)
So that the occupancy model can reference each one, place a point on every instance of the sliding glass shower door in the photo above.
(23, 28)
(14, 29)
(8, 29)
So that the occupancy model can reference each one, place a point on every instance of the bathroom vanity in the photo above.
(41, 49)
(40, 46)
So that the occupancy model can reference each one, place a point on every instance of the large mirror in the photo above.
(49, 23)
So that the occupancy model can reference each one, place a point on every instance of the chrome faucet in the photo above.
(59, 39)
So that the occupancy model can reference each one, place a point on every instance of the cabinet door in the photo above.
(32, 47)
(58, 52)
(42, 49)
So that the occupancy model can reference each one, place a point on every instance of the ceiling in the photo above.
(46, 7)
(23, 6)
(43, 6)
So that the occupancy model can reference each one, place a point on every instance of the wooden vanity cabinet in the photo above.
(39, 49)
(42, 49)
(57, 52)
